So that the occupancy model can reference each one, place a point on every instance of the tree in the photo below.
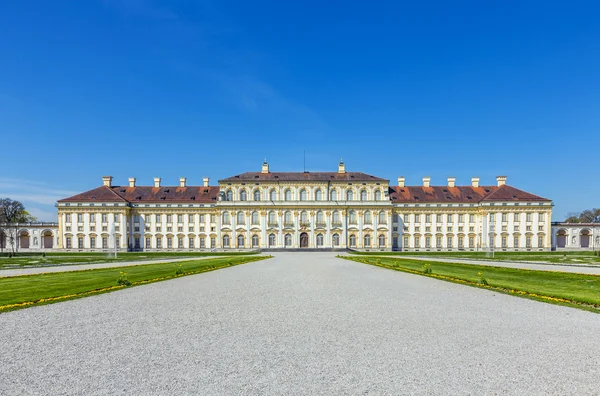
(13, 213)
(587, 216)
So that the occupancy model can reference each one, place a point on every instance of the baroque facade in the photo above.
(305, 210)
(36, 236)
(576, 236)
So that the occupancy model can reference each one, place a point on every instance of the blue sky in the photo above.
(143, 88)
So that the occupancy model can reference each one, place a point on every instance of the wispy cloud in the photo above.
(31, 191)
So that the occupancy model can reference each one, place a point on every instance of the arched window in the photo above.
(319, 195)
(271, 240)
(240, 239)
(363, 195)
(336, 217)
(288, 195)
(272, 218)
(352, 216)
(304, 216)
(229, 195)
(367, 240)
(257, 195)
(352, 240)
(336, 240)
(254, 217)
(319, 240)
(320, 217)
(368, 219)
(381, 240)
(377, 195)
(226, 219)
(254, 240)
(243, 195)
(288, 240)
(226, 241)
(273, 195)
(288, 218)
(382, 217)
(303, 195)
(240, 218)
(333, 195)
(349, 195)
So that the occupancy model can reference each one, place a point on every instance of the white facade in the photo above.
(29, 237)
(576, 236)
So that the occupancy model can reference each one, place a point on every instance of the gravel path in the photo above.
(511, 264)
(301, 323)
(77, 267)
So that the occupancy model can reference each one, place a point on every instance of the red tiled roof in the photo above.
(302, 176)
(460, 194)
(191, 194)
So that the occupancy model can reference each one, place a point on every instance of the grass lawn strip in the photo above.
(37, 289)
(564, 288)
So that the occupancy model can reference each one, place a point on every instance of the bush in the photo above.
(123, 281)
(482, 279)
(179, 269)
(427, 269)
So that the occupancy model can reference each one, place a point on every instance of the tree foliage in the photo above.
(12, 211)
(587, 216)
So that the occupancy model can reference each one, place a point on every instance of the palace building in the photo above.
(305, 210)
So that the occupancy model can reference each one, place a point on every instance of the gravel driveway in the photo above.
(301, 323)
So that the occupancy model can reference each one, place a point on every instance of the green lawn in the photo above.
(577, 289)
(57, 258)
(75, 284)
(587, 257)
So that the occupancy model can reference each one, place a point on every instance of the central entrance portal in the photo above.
(304, 240)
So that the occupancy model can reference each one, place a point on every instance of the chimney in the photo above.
(341, 167)
(182, 182)
(475, 181)
(426, 181)
(401, 181)
(451, 181)
(156, 182)
(107, 181)
(265, 167)
(132, 182)
(501, 180)
(206, 180)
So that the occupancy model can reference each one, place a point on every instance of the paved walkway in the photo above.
(77, 267)
(509, 264)
(301, 323)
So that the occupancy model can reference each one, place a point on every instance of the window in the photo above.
(272, 219)
(334, 195)
(229, 195)
(202, 219)
(491, 217)
(254, 217)
(352, 240)
(461, 242)
(382, 218)
(273, 195)
(504, 217)
(349, 195)
(319, 240)
(516, 241)
(271, 240)
(202, 242)
(528, 217)
(159, 242)
(288, 195)
(191, 218)
(471, 218)
(180, 218)
(157, 218)
(304, 217)
(528, 228)
(243, 195)
(191, 229)
(438, 218)
(319, 195)
(541, 217)
(116, 218)
(147, 218)
(368, 217)
(68, 217)
(288, 240)
(540, 241)
(92, 218)
(417, 218)
(169, 218)
(405, 244)
(406, 218)
(92, 228)
(80, 243)
(147, 243)
(450, 218)
(104, 243)
(504, 242)
(303, 195)
(240, 218)
(367, 240)
(427, 218)
(320, 217)
(92, 242)
(118, 241)
(528, 241)
(256, 195)
(254, 240)
(395, 217)
(461, 218)
(438, 241)
(191, 242)
(180, 242)
(226, 241)
(471, 242)
(68, 242)
(80, 228)
(80, 218)
(450, 239)
(516, 218)
(226, 219)
(352, 216)
(381, 240)
(240, 241)
(417, 242)
(213, 242)
(363, 195)
(288, 218)
(336, 240)
(428, 242)
(336, 217)
(377, 195)
(169, 242)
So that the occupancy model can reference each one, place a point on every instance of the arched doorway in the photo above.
(584, 238)
(304, 240)
(561, 239)
(24, 239)
(47, 239)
